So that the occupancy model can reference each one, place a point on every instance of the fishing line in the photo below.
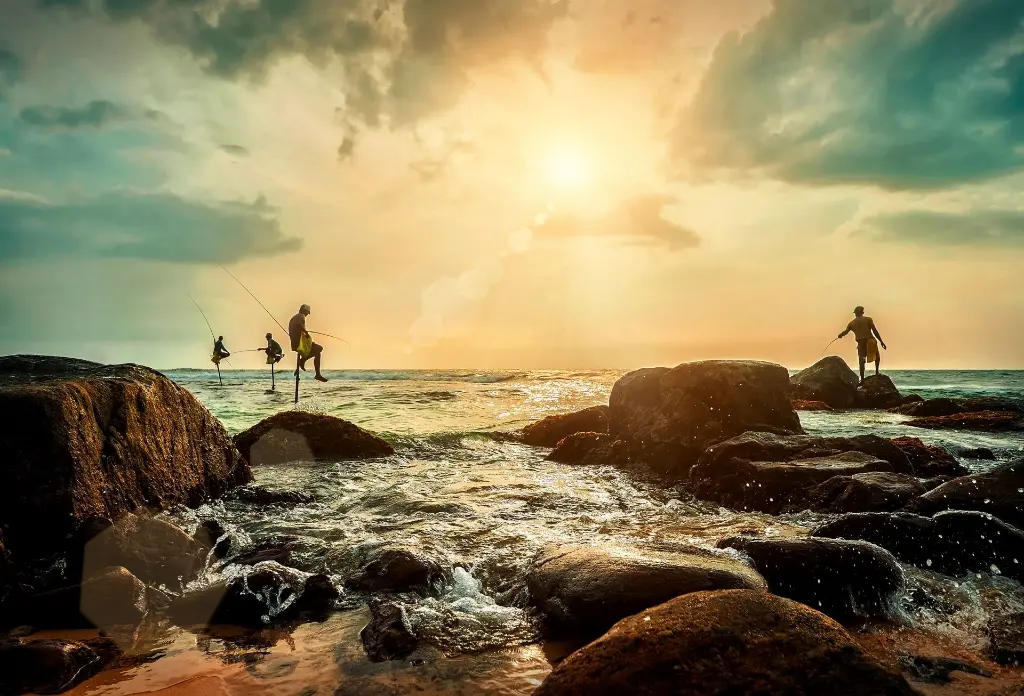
(204, 315)
(255, 298)
(337, 338)
(827, 347)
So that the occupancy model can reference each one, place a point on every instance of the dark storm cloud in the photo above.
(346, 149)
(998, 228)
(95, 114)
(238, 150)
(136, 225)
(866, 91)
(638, 219)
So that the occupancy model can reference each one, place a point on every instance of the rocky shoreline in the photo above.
(108, 448)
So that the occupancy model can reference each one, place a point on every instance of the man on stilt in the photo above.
(302, 343)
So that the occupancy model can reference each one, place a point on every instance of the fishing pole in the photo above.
(829, 344)
(337, 338)
(214, 337)
(255, 298)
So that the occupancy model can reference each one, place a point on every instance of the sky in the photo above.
(565, 184)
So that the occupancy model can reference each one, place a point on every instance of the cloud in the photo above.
(638, 219)
(895, 94)
(10, 67)
(976, 228)
(95, 114)
(347, 148)
(137, 225)
(238, 150)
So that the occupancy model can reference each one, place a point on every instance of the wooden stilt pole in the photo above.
(297, 359)
(272, 387)
(218, 375)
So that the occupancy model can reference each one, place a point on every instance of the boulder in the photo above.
(587, 589)
(212, 537)
(261, 495)
(670, 416)
(878, 391)
(1006, 639)
(45, 666)
(112, 598)
(292, 436)
(83, 439)
(929, 460)
(978, 453)
(551, 430)
(990, 403)
(999, 492)
(590, 448)
(929, 407)
(953, 542)
(845, 579)
(388, 635)
(874, 490)
(724, 643)
(830, 380)
(804, 405)
(985, 421)
(773, 487)
(395, 569)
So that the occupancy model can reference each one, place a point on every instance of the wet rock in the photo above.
(112, 598)
(154, 550)
(929, 460)
(670, 416)
(985, 421)
(726, 642)
(952, 543)
(999, 492)
(775, 486)
(101, 440)
(277, 549)
(991, 403)
(587, 589)
(769, 447)
(395, 569)
(260, 495)
(551, 430)
(45, 666)
(590, 448)
(804, 405)
(301, 436)
(389, 634)
(937, 670)
(929, 408)
(876, 490)
(212, 536)
(1006, 640)
(830, 380)
(978, 453)
(878, 391)
(843, 579)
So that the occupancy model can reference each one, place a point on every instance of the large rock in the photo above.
(830, 380)
(112, 598)
(845, 579)
(590, 448)
(45, 666)
(549, 431)
(725, 643)
(999, 492)
(953, 542)
(587, 589)
(986, 421)
(1006, 639)
(929, 460)
(670, 416)
(395, 569)
(878, 391)
(769, 447)
(804, 405)
(389, 634)
(301, 436)
(950, 407)
(775, 486)
(83, 439)
(875, 490)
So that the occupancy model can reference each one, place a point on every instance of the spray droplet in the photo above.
(995, 569)
(929, 563)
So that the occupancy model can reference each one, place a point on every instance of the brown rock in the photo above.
(549, 431)
(986, 421)
(999, 492)
(388, 635)
(301, 436)
(114, 597)
(829, 380)
(871, 491)
(804, 405)
(768, 447)
(84, 439)
(929, 460)
(724, 643)
(1006, 640)
(590, 448)
(153, 549)
(397, 569)
(929, 407)
(878, 391)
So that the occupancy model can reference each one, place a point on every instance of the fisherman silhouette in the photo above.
(302, 342)
(867, 349)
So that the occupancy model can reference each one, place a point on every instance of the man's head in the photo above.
(858, 311)
(269, 335)
(220, 338)
(304, 310)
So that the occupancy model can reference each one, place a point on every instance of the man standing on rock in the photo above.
(302, 342)
(867, 349)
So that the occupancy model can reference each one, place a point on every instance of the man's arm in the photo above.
(874, 330)
(846, 330)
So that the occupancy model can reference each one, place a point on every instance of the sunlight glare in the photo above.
(569, 169)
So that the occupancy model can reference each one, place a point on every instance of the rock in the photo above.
(830, 380)
(929, 460)
(45, 666)
(876, 490)
(393, 569)
(804, 405)
(670, 416)
(986, 421)
(929, 407)
(937, 670)
(843, 579)
(774, 486)
(213, 537)
(999, 492)
(878, 391)
(85, 439)
(277, 549)
(769, 447)
(550, 431)
(588, 589)
(723, 643)
(952, 543)
(388, 635)
(990, 403)
(301, 436)
(590, 448)
(1006, 640)
(260, 495)
(112, 598)
(979, 453)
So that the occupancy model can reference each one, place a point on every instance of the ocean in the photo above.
(483, 503)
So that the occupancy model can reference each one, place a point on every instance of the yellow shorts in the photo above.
(872, 350)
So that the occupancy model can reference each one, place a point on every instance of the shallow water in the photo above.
(484, 505)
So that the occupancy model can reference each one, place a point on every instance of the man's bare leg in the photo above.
(316, 366)
(862, 369)
(877, 363)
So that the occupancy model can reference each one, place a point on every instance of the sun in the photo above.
(568, 168)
